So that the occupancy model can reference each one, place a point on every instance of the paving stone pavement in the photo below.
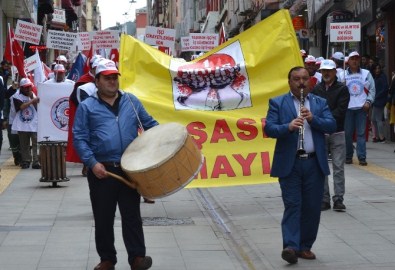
(51, 228)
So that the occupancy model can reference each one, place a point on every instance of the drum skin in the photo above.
(162, 160)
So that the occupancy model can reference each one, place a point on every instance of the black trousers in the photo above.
(105, 194)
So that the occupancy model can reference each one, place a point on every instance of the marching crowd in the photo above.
(337, 101)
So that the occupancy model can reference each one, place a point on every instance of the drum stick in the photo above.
(122, 179)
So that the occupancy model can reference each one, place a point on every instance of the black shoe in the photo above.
(348, 160)
(141, 263)
(289, 255)
(104, 265)
(17, 162)
(363, 162)
(36, 166)
(25, 166)
(339, 206)
(325, 206)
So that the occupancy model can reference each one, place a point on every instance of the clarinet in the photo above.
(300, 149)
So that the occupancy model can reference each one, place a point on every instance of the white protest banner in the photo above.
(58, 16)
(32, 62)
(345, 32)
(159, 36)
(83, 41)
(203, 42)
(185, 44)
(61, 40)
(28, 32)
(53, 111)
(105, 39)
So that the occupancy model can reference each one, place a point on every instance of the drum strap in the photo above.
(135, 111)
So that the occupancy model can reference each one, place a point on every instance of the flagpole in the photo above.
(12, 53)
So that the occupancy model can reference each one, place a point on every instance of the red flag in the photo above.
(87, 66)
(114, 56)
(13, 53)
(222, 38)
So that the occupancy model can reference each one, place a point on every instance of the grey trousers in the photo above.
(24, 143)
(336, 144)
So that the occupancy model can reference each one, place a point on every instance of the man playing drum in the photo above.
(105, 124)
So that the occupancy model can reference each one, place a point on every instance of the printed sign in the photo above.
(83, 41)
(32, 62)
(345, 32)
(59, 16)
(61, 40)
(185, 44)
(28, 32)
(203, 42)
(105, 39)
(158, 36)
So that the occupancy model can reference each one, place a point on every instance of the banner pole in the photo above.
(12, 53)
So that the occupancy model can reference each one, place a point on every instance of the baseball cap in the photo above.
(96, 62)
(106, 67)
(59, 68)
(303, 53)
(310, 59)
(94, 58)
(327, 64)
(319, 60)
(25, 82)
(355, 53)
(61, 58)
(338, 56)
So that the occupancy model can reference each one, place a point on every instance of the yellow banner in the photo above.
(221, 97)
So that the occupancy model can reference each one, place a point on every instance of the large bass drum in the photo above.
(162, 160)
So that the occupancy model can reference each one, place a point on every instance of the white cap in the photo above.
(96, 61)
(107, 67)
(25, 82)
(310, 59)
(338, 56)
(303, 53)
(327, 64)
(94, 58)
(59, 68)
(319, 60)
(355, 53)
(61, 58)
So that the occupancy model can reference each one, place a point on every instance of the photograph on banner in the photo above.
(53, 111)
(216, 83)
(227, 131)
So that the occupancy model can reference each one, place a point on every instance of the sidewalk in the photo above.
(51, 228)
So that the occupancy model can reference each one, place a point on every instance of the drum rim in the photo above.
(180, 187)
(186, 135)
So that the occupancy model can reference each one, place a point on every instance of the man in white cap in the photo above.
(83, 88)
(337, 97)
(26, 123)
(59, 75)
(338, 58)
(362, 90)
(105, 124)
(309, 64)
